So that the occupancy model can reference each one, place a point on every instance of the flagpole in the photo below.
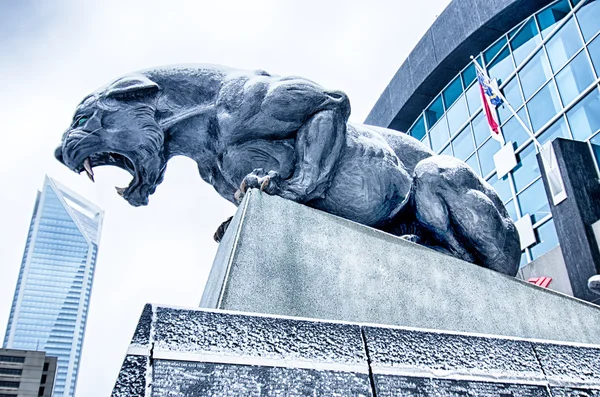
(508, 105)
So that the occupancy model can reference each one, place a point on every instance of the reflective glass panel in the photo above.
(547, 239)
(447, 151)
(584, 118)
(574, 78)
(564, 45)
(469, 75)
(527, 169)
(463, 144)
(452, 92)
(502, 187)
(543, 106)
(474, 164)
(534, 201)
(457, 115)
(515, 30)
(439, 134)
(512, 211)
(513, 131)
(486, 155)
(589, 19)
(494, 50)
(551, 15)
(434, 112)
(481, 129)
(473, 95)
(525, 41)
(534, 74)
(425, 141)
(502, 66)
(557, 130)
(418, 129)
(594, 49)
(512, 93)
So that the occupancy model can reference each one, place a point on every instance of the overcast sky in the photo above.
(53, 53)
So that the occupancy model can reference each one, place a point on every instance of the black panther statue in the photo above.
(289, 137)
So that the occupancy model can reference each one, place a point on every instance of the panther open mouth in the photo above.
(112, 159)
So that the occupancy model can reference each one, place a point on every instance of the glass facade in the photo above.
(548, 68)
(52, 296)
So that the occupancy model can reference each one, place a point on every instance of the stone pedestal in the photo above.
(279, 257)
(180, 352)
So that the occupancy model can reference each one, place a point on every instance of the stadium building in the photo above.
(545, 57)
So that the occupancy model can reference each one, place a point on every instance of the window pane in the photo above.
(502, 187)
(439, 134)
(523, 261)
(463, 144)
(425, 141)
(512, 211)
(547, 239)
(486, 155)
(534, 201)
(502, 66)
(513, 131)
(512, 93)
(472, 162)
(564, 45)
(435, 111)
(527, 169)
(493, 50)
(574, 78)
(418, 129)
(452, 92)
(525, 41)
(584, 118)
(557, 130)
(588, 17)
(550, 16)
(594, 49)
(543, 106)
(457, 115)
(535, 73)
(474, 98)
(447, 151)
(469, 75)
(481, 129)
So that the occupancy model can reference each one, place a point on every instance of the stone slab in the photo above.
(283, 258)
(200, 352)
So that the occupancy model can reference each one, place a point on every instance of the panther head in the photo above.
(116, 126)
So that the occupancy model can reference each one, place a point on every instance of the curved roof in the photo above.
(465, 28)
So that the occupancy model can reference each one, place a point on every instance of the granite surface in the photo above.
(284, 258)
(199, 352)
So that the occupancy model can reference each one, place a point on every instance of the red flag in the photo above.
(491, 116)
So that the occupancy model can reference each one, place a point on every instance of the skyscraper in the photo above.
(51, 300)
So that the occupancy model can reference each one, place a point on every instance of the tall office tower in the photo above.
(52, 296)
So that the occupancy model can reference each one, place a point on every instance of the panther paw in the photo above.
(268, 182)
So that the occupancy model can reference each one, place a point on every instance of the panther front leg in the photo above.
(318, 147)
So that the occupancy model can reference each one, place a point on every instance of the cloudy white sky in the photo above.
(53, 53)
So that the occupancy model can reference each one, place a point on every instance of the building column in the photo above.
(575, 214)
